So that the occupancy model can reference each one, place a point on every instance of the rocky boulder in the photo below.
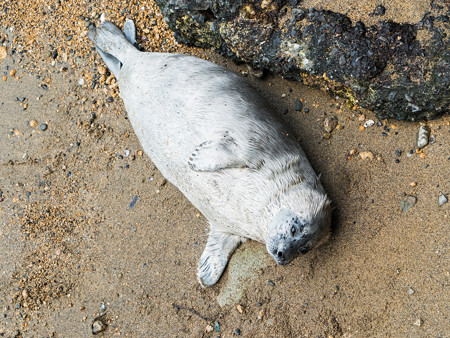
(397, 70)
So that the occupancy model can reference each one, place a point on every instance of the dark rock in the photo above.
(298, 105)
(397, 70)
(379, 10)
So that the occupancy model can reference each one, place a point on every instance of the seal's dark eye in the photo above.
(293, 230)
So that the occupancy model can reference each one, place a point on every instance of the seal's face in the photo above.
(292, 234)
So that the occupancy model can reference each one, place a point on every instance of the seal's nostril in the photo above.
(280, 254)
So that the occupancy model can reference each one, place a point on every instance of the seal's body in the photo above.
(213, 137)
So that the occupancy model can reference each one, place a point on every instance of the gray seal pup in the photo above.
(213, 136)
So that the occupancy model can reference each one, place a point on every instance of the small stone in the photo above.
(298, 105)
(283, 95)
(398, 152)
(329, 124)
(3, 53)
(379, 10)
(81, 82)
(33, 123)
(44, 86)
(261, 314)
(44, 126)
(5, 78)
(12, 73)
(410, 291)
(217, 326)
(366, 155)
(442, 200)
(240, 309)
(98, 326)
(24, 294)
(423, 137)
(102, 307)
(408, 202)
(326, 136)
(306, 110)
(133, 202)
(369, 123)
(110, 99)
(413, 184)
(270, 283)
(418, 322)
(140, 152)
(352, 152)
(209, 328)
(237, 332)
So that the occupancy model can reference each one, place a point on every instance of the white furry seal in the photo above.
(213, 137)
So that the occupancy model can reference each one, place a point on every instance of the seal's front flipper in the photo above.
(218, 154)
(215, 257)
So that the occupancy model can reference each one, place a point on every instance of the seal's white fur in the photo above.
(212, 136)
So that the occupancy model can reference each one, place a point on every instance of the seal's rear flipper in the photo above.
(130, 31)
(214, 259)
(216, 155)
(112, 44)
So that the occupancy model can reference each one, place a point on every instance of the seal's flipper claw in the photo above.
(215, 257)
(130, 31)
(216, 155)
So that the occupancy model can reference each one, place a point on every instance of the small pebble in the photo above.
(329, 124)
(140, 152)
(240, 309)
(44, 86)
(306, 110)
(44, 126)
(12, 73)
(98, 326)
(133, 202)
(217, 326)
(410, 291)
(237, 332)
(102, 307)
(110, 99)
(413, 184)
(379, 10)
(423, 136)
(418, 322)
(369, 123)
(33, 123)
(408, 202)
(366, 155)
(298, 105)
(398, 152)
(209, 328)
(442, 200)
(270, 283)
(397, 160)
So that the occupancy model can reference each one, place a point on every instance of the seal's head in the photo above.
(295, 231)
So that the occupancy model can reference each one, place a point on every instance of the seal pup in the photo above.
(213, 136)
